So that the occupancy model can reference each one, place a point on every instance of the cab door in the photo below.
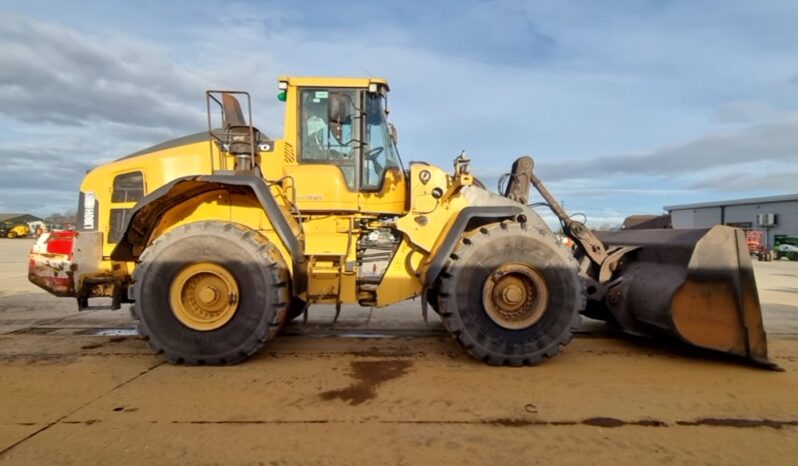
(326, 177)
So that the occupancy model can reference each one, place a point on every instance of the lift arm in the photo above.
(521, 177)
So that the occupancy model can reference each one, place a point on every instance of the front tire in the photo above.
(296, 308)
(510, 295)
(210, 293)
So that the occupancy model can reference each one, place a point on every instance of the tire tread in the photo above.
(251, 241)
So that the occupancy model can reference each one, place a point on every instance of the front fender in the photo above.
(446, 246)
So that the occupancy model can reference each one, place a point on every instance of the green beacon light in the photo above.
(283, 86)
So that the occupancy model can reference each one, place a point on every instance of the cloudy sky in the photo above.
(626, 105)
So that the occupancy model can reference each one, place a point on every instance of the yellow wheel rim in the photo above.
(204, 296)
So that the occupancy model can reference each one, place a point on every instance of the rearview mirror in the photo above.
(337, 113)
(337, 108)
(394, 134)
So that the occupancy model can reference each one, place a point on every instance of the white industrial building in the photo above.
(774, 215)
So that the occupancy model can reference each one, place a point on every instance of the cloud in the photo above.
(519, 42)
(625, 108)
(51, 74)
(69, 101)
(783, 179)
(450, 28)
(40, 201)
(42, 166)
(40, 180)
(775, 141)
(748, 111)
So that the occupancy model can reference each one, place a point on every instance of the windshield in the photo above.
(379, 151)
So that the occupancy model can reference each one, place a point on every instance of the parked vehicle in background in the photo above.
(756, 245)
(18, 230)
(786, 247)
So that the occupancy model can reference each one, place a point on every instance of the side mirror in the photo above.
(394, 134)
(338, 113)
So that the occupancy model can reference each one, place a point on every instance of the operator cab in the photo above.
(346, 149)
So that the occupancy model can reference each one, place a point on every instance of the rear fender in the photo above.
(146, 216)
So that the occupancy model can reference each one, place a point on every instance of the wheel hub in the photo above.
(208, 295)
(204, 296)
(515, 296)
(512, 294)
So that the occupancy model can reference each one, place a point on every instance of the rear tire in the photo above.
(12, 234)
(474, 262)
(244, 259)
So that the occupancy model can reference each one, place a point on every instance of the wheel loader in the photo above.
(18, 230)
(219, 238)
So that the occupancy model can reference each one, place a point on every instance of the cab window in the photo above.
(128, 187)
(321, 142)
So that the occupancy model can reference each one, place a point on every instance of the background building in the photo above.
(774, 215)
(18, 218)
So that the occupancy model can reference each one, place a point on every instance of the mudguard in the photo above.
(490, 213)
(143, 218)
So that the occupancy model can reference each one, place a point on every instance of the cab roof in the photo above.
(321, 81)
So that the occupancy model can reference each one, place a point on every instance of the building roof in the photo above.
(24, 217)
(750, 200)
(646, 222)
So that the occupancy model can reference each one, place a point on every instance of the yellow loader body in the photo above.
(220, 237)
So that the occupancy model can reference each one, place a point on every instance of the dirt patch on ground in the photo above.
(612, 422)
(739, 423)
(368, 376)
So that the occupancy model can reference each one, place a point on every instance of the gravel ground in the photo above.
(383, 387)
